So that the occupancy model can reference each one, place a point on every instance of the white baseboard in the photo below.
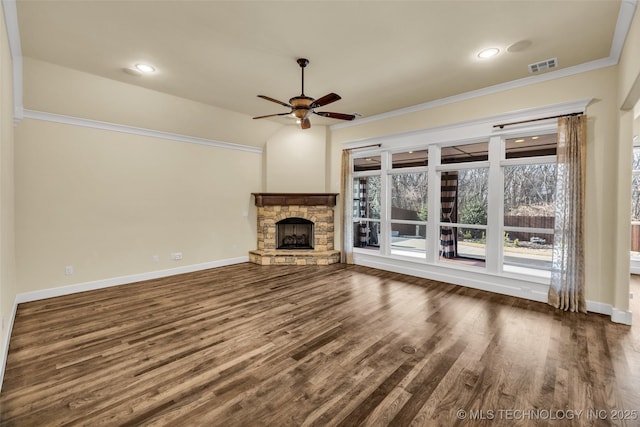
(519, 288)
(468, 278)
(619, 316)
(100, 284)
(5, 339)
(115, 281)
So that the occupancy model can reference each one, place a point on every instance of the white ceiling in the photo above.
(378, 55)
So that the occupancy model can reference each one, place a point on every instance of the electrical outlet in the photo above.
(68, 270)
(155, 258)
(176, 256)
(630, 295)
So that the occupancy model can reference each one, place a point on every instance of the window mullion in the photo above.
(495, 209)
(385, 212)
(433, 216)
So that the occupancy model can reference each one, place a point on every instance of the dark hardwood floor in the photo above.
(339, 345)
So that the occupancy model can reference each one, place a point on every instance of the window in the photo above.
(371, 163)
(465, 153)
(635, 207)
(409, 211)
(463, 200)
(410, 159)
(491, 209)
(529, 203)
(531, 146)
(366, 211)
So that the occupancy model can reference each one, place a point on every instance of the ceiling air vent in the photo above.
(543, 65)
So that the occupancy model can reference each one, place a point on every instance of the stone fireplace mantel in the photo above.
(300, 199)
(316, 208)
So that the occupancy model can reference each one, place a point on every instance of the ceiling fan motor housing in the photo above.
(300, 106)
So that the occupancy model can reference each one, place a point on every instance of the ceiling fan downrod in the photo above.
(303, 62)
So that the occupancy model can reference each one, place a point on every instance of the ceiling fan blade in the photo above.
(340, 116)
(325, 100)
(305, 124)
(284, 104)
(272, 115)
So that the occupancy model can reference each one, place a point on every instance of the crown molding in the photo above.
(13, 34)
(472, 129)
(526, 81)
(114, 127)
(625, 16)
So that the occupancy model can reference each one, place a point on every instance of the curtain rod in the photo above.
(364, 146)
(501, 126)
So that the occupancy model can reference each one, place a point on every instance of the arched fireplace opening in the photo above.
(294, 233)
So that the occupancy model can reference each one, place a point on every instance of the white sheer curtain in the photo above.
(567, 272)
(346, 188)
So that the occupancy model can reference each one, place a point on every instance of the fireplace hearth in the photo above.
(295, 229)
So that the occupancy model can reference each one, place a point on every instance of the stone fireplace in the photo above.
(295, 229)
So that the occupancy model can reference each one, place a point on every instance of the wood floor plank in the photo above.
(310, 346)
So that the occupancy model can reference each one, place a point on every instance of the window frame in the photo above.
(358, 219)
(634, 260)
(524, 161)
(457, 167)
(496, 161)
(388, 249)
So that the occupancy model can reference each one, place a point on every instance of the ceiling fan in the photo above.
(302, 106)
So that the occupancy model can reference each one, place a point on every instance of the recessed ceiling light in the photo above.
(488, 53)
(535, 137)
(145, 68)
(519, 140)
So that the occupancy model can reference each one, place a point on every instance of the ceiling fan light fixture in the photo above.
(488, 53)
(300, 114)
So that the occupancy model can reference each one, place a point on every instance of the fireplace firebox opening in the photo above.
(294, 233)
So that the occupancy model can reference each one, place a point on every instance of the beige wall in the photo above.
(630, 60)
(7, 235)
(628, 93)
(602, 154)
(60, 90)
(296, 160)
(107, 202)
